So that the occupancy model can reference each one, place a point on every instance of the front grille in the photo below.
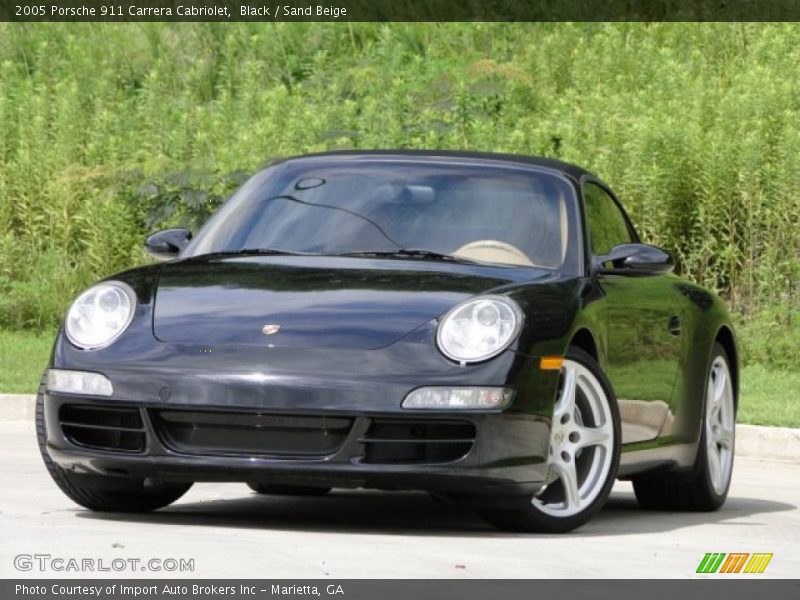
(250, 434)
(391, 441)
(103, 428)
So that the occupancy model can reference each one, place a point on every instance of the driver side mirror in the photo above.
(167, 244)
(636, 259)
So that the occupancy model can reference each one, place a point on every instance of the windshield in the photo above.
(504, 215)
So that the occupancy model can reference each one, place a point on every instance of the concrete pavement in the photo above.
(230, 532)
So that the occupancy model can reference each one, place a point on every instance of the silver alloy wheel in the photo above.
(720, 425)
(581, 444)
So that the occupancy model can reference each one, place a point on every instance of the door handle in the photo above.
(675, 325)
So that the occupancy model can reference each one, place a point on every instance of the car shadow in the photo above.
(341, 511)
(414, 513)
(622, 515)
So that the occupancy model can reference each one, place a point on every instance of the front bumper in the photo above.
(475, 453)
(507, 454)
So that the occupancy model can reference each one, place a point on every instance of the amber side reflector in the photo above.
(551, 363)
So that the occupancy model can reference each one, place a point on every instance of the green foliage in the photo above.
(185, 199)
(23, 358)
(772, 337)
(695, 125)
(59, 241)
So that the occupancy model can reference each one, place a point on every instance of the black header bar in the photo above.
(397, 589)
(398, 10)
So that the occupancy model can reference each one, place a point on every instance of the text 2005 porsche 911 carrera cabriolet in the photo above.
(488, 328)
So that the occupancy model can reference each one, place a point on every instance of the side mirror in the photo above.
(636, 259)
(167, 244)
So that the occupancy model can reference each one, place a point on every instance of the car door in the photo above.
(643, 321)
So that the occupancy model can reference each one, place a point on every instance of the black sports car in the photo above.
(485, 327)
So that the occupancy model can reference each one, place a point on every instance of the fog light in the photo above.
(459, 398)
(78, 382)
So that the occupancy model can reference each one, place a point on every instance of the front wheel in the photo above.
(104, 493)
(583, 454)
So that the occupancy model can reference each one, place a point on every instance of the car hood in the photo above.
(334, 302)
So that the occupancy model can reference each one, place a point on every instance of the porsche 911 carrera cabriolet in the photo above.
(487, 328)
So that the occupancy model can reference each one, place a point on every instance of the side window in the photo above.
(604, 220)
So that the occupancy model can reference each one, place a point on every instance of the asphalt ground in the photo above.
(228, 531)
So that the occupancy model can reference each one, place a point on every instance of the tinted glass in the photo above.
(507, 215)
(605, 221)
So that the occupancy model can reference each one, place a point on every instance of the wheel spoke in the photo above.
(724, 436)
(714, 464)
(720, 385)
(711, 397)
(592, 436)
(569, 481)
(566, 403)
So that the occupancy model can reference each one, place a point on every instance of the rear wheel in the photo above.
(280, 489)
(103, 493)
(583, 454)
(706, 486)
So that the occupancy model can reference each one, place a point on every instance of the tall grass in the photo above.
(697, 126)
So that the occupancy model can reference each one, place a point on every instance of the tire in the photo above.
(591, 416)
(103, 493)
(279, 489)
(701, 490)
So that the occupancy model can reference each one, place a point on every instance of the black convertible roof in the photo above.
(569, 169)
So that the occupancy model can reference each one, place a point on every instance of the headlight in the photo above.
(100, 315)
(479, 329)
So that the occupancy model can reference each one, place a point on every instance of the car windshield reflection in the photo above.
(395, 209)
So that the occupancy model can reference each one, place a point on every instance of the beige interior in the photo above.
(493, 251)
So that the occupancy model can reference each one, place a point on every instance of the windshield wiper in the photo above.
(254, 251)
(408, 253)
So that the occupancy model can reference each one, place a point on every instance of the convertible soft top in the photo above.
(573, 171)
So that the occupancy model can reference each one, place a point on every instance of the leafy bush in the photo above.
(185, 199)
(771, 337)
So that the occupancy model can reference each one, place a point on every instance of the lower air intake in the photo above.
(390, 441)
(250, 434)
(103, 428)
